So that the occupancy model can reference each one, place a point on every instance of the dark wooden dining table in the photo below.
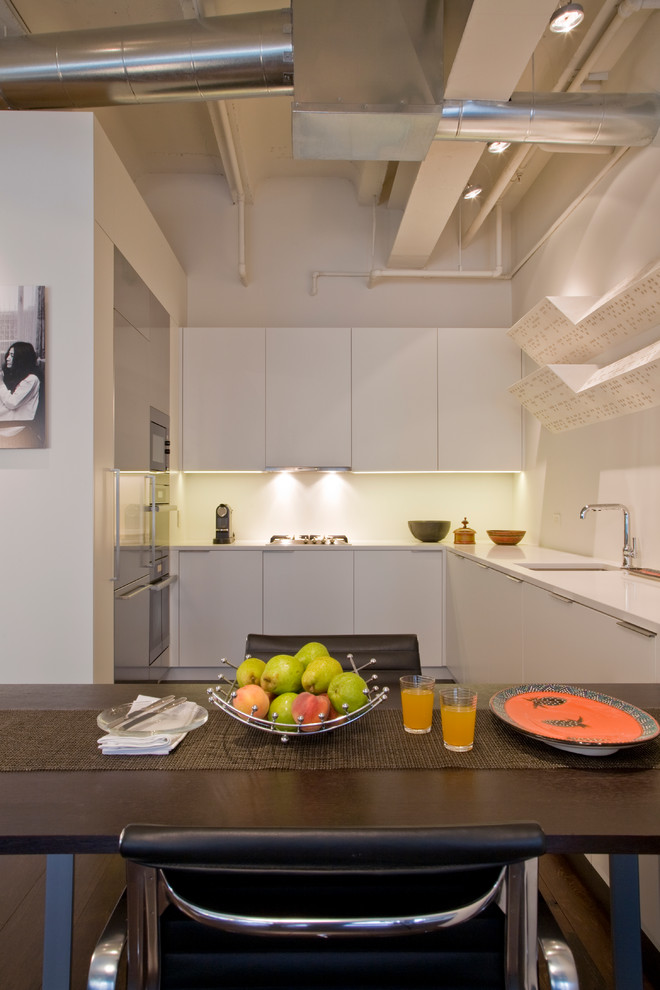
(600, 808)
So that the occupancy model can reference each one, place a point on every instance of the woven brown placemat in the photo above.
(66, 740)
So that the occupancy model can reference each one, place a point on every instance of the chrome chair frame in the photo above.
(150, 890)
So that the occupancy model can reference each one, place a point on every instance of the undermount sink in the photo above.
(571, 567)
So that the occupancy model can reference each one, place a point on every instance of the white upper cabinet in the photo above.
(366, 398)
(479, 420)
(395, 423)
(308, 397)
(224, 386)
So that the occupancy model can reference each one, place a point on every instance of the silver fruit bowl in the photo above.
(223, 695)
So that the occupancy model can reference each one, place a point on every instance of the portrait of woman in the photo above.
(22, 372)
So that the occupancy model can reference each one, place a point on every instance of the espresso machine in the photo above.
(223, 525)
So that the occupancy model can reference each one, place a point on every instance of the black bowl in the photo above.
(429, 530)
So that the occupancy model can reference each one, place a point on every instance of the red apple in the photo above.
(251, 699)
(310, 711)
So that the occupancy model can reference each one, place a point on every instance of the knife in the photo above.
(164, 705)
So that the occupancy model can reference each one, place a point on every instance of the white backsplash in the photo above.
(364, 507)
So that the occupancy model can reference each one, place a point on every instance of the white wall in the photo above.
(46, 237)
(57, 531)
(611, 236)
(296, 227)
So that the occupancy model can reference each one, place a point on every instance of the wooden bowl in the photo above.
(506, 537)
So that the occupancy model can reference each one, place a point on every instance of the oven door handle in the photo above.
(163, 582)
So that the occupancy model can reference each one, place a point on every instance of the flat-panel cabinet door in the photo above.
(132, 352)
(223, 398)
(308, 397)
(566, 641)
(308, 592)
(480, 423)
(395, 396)
(400, 591)
(219, 604)
(483, 614)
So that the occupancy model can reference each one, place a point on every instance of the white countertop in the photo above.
(628, 597)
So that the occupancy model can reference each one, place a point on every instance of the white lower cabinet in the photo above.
(220, 602)
(483, 620)
(400, 591)
(564, 640)
(308, 592)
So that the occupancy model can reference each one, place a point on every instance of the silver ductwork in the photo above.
(348, 103)
(211, 59)
(612, 119)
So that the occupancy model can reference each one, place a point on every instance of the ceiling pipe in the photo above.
(216, 58)
(220, 122)
(376, 275)
(611, 119)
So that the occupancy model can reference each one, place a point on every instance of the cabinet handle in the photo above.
(479, 564)
(163, 583)
(637, 629)
(134, 592)
(512, 578)
(561, 598)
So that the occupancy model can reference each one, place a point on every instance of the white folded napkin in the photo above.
(158, 744)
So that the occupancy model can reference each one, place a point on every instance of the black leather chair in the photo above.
(357, 909)
(391, 652)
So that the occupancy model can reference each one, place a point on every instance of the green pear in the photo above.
(318, 674)
(282, 674)
(310, 651)
(250, 671)
(347, 689)
(281, 707)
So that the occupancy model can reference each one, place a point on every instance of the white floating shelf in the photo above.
(575, 329)
(566, 396)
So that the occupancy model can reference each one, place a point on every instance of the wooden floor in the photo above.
(99, 881)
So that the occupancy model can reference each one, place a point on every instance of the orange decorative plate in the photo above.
(574, 719)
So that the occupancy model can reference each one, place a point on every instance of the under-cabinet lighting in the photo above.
(293, 470)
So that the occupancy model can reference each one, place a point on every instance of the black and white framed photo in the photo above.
(22, 366)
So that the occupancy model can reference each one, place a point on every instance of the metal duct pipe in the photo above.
(215, 58)
(612, 119)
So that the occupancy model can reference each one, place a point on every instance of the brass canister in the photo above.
(464, 534)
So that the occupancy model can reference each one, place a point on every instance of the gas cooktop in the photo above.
(313, 539)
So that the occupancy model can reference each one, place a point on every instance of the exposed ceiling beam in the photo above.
(500, 39)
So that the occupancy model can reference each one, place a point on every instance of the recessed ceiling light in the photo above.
(497, 147)
(566, 17)
(471, 192)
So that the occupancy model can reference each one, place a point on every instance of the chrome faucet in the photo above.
(629, 549)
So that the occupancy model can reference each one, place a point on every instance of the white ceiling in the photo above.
(492, 49)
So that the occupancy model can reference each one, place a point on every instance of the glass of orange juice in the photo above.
(417, 702)
(458, 709)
